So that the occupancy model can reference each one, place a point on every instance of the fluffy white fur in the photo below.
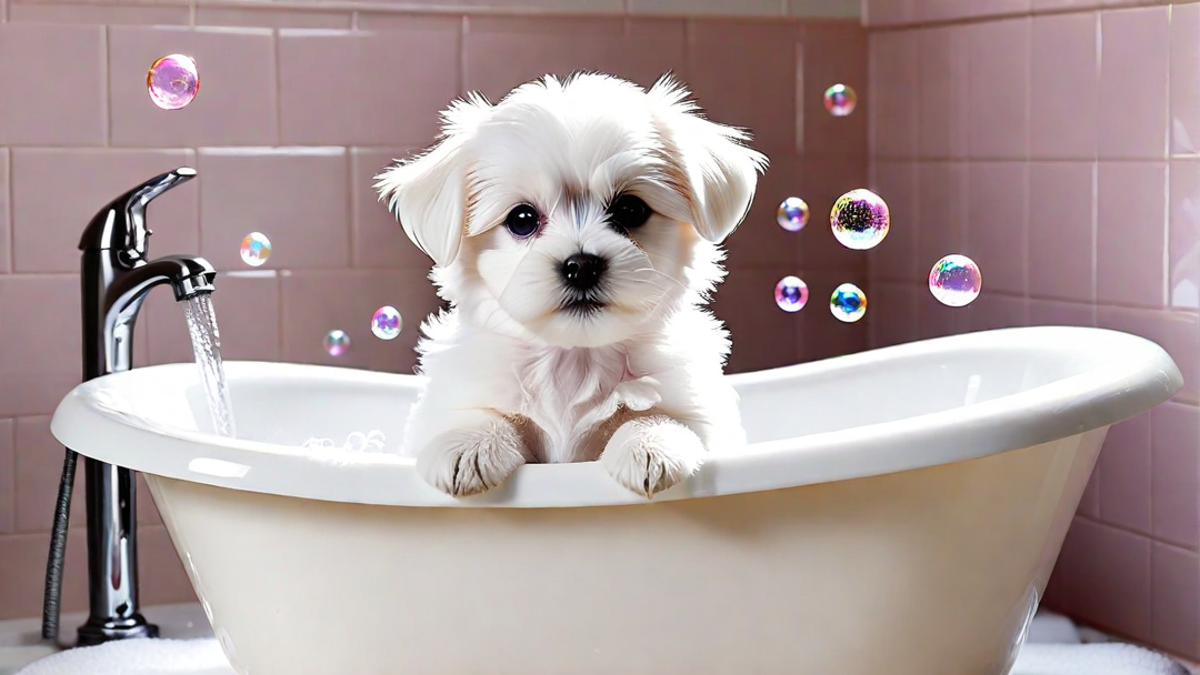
(516, 377)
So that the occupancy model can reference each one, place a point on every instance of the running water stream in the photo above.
(206, 345)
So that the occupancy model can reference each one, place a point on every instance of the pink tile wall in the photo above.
(300, 107)
(1057, 146)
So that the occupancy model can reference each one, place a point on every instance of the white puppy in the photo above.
(573, 228)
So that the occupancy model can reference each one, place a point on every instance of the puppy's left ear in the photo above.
(428, 193)
(720, 172)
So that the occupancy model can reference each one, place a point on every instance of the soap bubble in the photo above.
(337, 342)
(256, 248)
(386, 324)
(375, 440)
(791, 294)
(848, 303)
(955, 280)
(840, 100)
(860, 219)
(792, 214)
(173, 81)
(356, 441)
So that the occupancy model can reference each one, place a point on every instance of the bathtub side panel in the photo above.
(933, 568)
(1083, 463)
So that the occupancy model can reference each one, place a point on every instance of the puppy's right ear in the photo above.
(428, 193)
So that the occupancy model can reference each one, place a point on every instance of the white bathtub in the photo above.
(899, 512)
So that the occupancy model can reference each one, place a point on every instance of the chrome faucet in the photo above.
(116, 278)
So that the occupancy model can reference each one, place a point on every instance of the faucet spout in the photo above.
(119, 300)
(187, 276)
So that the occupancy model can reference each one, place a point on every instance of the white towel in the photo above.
(204, 657)
(137, 657)
(1053, 628)
(1111, 658)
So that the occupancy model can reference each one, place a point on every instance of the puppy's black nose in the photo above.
(583, 270)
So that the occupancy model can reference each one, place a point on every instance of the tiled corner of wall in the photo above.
(1054, 145)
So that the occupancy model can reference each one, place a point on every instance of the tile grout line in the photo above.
(916, 170)
(1095, 196)
(16, 524)
(199, 214)
(277, 278)
(1165, 291)
(12, 213)
(798, 99)
(12, 468)
(106, 58)
(281, 313)
(799, 42)
(1026, 228)
(464, 31)
(1094, 204)
(277, 74)
(1168, 301)
(993, 159)
(1124, 529)
(1150, 511)
(1008, 16)
(351, 207)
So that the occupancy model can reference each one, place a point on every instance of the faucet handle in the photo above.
(121, 224)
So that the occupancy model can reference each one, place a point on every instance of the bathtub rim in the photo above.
(1137, 369)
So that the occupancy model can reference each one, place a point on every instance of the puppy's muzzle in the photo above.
(583, 271)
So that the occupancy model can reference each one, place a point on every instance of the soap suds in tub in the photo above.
(356, 442)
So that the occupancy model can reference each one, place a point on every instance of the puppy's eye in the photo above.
(522, 221)
(628, 212)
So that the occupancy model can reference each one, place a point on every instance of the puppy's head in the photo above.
(579, 212)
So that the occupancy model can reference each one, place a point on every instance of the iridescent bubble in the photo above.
(848, 303)
(955, 280)
(173, 81)
(256, 248)
(860, 219)
(337, 342)
(840, 100)
(386, 324)
(791, 294)
(792, 214)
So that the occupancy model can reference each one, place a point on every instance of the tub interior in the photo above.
(286, 411)
(794, 401)
(869, 388)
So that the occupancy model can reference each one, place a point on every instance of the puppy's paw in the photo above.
(650, 454)
(467, 462)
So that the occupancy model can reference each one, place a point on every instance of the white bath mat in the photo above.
(204, 657)
(1111, 658)
(137, 657)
